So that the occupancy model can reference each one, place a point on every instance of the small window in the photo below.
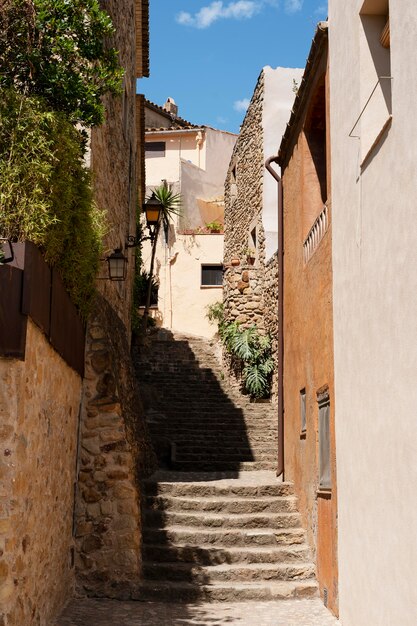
(325, 480)
(212, 275)
(154, 149)
(303, 419)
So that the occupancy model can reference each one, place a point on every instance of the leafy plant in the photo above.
(214, 226)
(57, 49)
(46, 194)
(249, 347)
(170, 205)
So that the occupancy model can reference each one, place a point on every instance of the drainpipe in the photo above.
(280, 468)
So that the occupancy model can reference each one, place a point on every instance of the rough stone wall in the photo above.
(250, 291)
(114, 157)
(114, 454)
(243, 284)
(271, 319)
(243, 199)
(39, 409)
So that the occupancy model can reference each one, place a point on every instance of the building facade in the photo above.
(189, 259)
(307, 322)
(374, 178)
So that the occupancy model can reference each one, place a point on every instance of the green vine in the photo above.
(46, 194)
(251, 350)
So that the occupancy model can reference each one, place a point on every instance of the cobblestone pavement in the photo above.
(114, 613)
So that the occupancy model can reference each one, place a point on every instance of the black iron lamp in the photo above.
(117, 265)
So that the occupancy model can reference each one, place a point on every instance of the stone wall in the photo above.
(271, 318)
(250, 291)
(39, 409)
(114, 158)
(243, 188)
(114, 455)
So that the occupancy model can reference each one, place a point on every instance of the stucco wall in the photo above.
(182, 302)
(39, 408)
(375, 304)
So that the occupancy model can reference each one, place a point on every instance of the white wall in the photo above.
(278, 99)
(375, 327)
(182, 303)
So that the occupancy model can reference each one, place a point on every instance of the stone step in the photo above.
(191, 486)
(224, 592)
(222, 504)
(227, 573)
(248, 520)
(212, 466)
(224, 537)
(217, 556)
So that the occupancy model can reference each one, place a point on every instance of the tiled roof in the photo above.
(177, 123)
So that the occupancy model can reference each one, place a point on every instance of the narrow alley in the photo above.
(221, 534)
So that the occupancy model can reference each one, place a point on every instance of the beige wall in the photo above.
(375, 312)
(182, 302)
(39, 406)
(198, 173)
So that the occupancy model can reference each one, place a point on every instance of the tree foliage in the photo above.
(45, 191)
(57, 49)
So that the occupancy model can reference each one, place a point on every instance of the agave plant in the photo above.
(251, 350)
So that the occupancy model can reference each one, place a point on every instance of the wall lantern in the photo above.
(153, 211)
(3, 257)
(117, 265)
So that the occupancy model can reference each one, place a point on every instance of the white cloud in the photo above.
(241, 105)
(292, 6)
(206, 16)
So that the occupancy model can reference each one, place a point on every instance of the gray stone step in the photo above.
(222, 504)
(214, 520)
(204, 485)
(225, 592)
(224, 537)
(236, 573)
(211, 466)
(225, 555)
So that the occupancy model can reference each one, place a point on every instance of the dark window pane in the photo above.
(212, 275)
(155, 149)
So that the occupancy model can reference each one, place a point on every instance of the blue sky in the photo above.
(207, 54)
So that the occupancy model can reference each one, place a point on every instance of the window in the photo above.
(325, 480)
(154, 149)
(375, 76)
(212, 275)
(303, 419)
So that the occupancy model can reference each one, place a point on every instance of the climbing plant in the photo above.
(57, 49)
(45, 191)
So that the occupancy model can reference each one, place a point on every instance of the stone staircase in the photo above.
(196, 420)
(212, 538)
(213, 531)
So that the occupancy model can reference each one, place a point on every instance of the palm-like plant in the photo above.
(170, 206)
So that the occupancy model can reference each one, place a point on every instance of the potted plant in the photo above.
(214, 227)
(250, 255)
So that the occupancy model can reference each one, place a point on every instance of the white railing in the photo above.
(316, 234)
